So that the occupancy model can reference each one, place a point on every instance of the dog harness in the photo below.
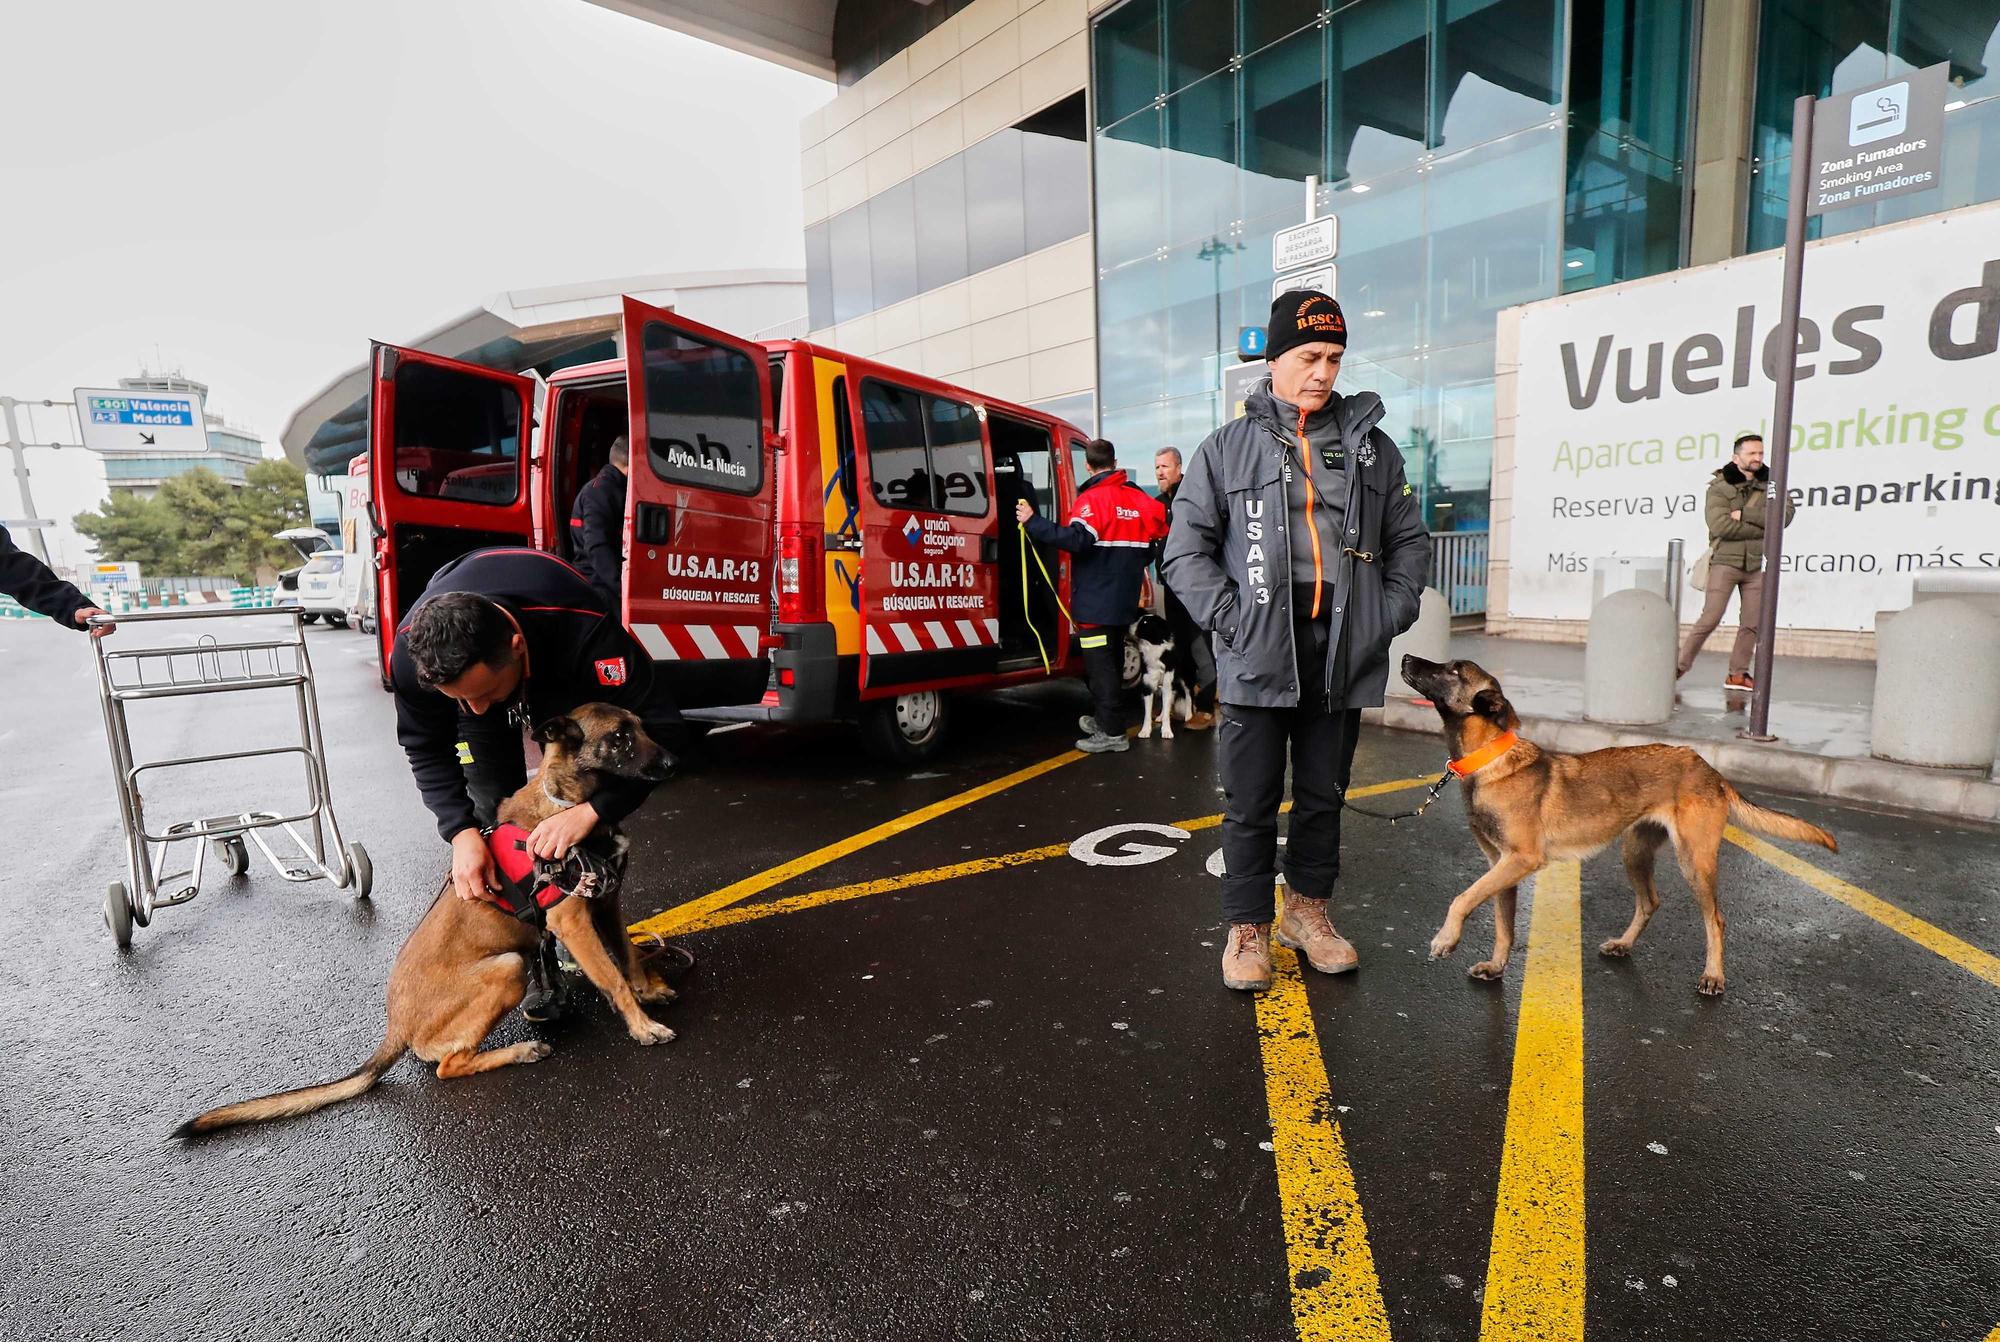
(1485, 755)
(531, 886)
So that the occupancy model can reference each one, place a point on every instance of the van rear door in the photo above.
(930, 598)
(449, 470)
(698, 519)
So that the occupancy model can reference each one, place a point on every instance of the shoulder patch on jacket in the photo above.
(1406, 490)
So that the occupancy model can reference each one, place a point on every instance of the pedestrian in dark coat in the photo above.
(1298, 541)
(35, 585)
(597, 525)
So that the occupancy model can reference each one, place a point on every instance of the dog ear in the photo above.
(565, 729)
(1492, 705)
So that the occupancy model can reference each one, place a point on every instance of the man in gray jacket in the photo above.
(1298, 542)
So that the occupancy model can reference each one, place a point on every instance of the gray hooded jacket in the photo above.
(1228, 557)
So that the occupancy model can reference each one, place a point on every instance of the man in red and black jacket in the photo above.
(1111, 531)
(34, 584)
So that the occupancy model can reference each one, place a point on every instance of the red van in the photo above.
(809, 535)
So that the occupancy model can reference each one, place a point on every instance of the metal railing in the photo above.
(1458, 569)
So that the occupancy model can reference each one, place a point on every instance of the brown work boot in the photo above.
(1303, 927)
(1199, 721)
(1246, 960)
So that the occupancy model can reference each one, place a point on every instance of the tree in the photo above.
(199, 525)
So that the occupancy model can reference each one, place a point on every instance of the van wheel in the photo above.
(336, 621)
(310, 619)
(1135, 664)
(908, 729)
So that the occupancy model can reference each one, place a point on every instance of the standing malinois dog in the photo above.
(1531, 807)
(466, 964)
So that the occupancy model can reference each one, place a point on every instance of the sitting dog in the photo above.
(1162, 673)
(466, 964)
(1529, 807)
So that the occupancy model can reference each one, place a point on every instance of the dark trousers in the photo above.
(1252, 747)
(1192, 640)
(1104, 671)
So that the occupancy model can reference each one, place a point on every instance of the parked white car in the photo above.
(319, 589)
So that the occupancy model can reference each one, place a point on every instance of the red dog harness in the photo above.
(527, 890)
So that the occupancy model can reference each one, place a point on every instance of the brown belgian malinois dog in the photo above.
(466, 964)
(1530, 807)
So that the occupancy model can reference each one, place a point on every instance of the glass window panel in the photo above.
(1135, 432)
(1265, 21)
(704, 418)
(1055, 174)
(958, 456)
(1493, 215)
(819, 277)
(1201, 159)
(1382, 265)
(1623, 217)
(1132, 362)
(938, 194)
(1131, 190)
(892, 430)
(1805, 46)
(458, 435)
(996, 224)
(1284, 123)
(1499, 68)
(1125, 47)
(892, 245)
(1201, 39)
(848, 244)
(1376, 55)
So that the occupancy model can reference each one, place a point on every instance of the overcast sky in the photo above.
(255, 188)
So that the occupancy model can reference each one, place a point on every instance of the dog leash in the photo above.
(1027, 611)
(1437, 789)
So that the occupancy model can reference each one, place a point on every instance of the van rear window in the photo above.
(704, 423)
(457, 435)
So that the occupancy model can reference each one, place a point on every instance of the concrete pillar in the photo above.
(1629, 660)
(1429, 638)
(1937, 686)
(1725, 79)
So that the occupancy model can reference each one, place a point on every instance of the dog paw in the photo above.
(1490, 970)
(536, 1051)
(654, 991)
(1615, 949)
(1711, 985)
(1442, 946)
(652, 1032)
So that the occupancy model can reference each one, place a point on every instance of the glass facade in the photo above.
(869, 32)
(1436, 132)
(1829, 46)
(1016, 192)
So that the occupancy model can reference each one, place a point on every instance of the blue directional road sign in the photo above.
(1251, 342)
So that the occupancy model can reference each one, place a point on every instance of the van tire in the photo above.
(309, 619)
(336, 621)
(908, 729)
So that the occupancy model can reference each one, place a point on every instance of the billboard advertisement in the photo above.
(1629, 399)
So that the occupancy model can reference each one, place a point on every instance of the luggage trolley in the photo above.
(210, 666)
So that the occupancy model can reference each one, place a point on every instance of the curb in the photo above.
(1905, 787)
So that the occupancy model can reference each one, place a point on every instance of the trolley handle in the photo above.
(188, 613)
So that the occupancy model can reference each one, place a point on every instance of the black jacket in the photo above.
(32, 583)
(1229, 557)
(577, 654)
(597, 532)
(1112, 531)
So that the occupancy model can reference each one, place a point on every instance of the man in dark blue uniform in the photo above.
(500, 641)
(34, 584)
(597, 525)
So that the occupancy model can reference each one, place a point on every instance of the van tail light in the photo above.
(800, 580)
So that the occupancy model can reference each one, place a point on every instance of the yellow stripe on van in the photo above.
(843, 567)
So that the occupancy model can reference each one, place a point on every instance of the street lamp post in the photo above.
(15, 449)
(1214, 250)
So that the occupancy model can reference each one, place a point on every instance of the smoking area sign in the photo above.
(1882, 141)
(117, 419)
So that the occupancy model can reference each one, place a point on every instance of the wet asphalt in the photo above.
(1015, 1104)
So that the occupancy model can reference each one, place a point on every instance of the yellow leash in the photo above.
(1027, 613)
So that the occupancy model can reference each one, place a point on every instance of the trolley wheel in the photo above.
(361, 874)
(118, 914)
(232, 854)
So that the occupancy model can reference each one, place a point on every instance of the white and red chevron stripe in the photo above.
(888, 636)
(699, 642)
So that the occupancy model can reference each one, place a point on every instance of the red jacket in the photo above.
(1112, 531)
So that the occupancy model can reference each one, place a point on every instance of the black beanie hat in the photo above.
(1302, 317)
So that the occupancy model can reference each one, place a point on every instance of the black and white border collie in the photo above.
(1162, 675)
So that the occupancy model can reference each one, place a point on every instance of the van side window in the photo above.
(843, 449)
(704, 420)
(924, 451)
(1079, 469)
(458, 436)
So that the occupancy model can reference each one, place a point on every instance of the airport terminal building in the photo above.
(1072, 204)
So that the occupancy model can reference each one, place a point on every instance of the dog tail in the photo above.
(1776, 823)
(289, 1103)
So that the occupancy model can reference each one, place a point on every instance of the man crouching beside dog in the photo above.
(1298, 542)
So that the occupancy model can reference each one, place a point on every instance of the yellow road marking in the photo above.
(1335, 1291)
(1993, 1336)
(729, 917)
(1963, 954)
(678, 917)
(1534, 1274)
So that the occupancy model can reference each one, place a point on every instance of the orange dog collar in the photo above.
(1483, 756)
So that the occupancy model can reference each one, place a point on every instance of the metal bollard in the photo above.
(1676, 575)
(1429, 638)
(1937, 686)
(1628, 662)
